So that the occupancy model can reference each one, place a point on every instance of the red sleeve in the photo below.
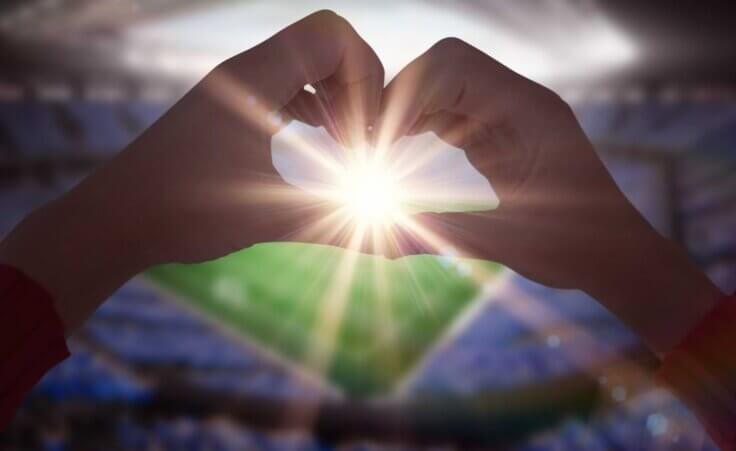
(31, 338)
(702, 371)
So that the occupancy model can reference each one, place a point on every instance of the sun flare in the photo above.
(366, 199)
(370, 193)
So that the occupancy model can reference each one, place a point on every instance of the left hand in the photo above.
(200, 182)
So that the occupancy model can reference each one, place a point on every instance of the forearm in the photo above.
(652, 286)
(76, 252)
(656, 290)
(701, 371)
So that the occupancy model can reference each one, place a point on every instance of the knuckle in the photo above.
(552, 100)
(329, 18)
(451, 46)
(231, 66)
(452, 52)
(551, 96)
(227, 64)
(379, 71)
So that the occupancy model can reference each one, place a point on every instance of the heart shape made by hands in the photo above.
(430, 174)
(360, 321)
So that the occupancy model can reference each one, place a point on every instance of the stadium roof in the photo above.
(562, 43)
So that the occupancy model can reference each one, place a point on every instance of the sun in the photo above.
(370, 192)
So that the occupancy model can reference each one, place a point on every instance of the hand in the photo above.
(205, 184)
(562, 221)
(200, 182)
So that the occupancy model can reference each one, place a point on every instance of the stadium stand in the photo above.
(146, 112)
(141, 328)
(32, 127)
(87, 376)
(103, 130)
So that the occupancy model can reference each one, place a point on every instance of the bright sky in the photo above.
(576, 43)
(429, 171)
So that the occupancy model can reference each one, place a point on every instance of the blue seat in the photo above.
(710, 235)
(669, 127)
(103, 129)
(84, 376)
(641, 122)
(15, 204)
(494, 326)
(198, 348)
(573, 435)
(569, 305)
(596, 119)
(462, 366)
(188, 434)
(145, 112)
(146, 309)
(33, 128)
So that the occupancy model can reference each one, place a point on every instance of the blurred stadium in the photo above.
(173, 361)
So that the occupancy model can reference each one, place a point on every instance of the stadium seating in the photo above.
(596, 119)
(17, 202)
(141, 328)
(664, 127)
(501, 350)
(42, 129)
(85, 376)
(32, 128)
(214, 435)
(103, 129)
(146, 113)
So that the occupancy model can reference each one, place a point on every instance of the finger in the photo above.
(328, 226)
(497, 152)
(449, 127)
(310, 109)
(320, 47)
(307, 107)
(451, 76)
(350, 110)
(407, 99)
(405, 241)
(291, 214)
(485, 235)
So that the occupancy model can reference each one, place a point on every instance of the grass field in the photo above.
(363, 321)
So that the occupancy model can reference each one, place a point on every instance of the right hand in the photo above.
(562, 221)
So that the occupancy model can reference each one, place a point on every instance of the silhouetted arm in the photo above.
(702, 371)
(31, 338)
(197, 185)
(200, 182)
(562, 221)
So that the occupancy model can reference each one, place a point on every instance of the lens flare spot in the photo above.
(370, 192)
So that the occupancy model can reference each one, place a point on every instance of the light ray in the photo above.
(407, 161)
(364, 196)
(332, 307)
(241, 101)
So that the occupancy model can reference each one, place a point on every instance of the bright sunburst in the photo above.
(370, 193)
(369, 196)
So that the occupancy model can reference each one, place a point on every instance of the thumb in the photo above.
(484, 234)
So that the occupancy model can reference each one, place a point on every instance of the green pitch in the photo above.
(364, 334)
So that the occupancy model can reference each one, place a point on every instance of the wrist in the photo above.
(75, 253)
(658, 292)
